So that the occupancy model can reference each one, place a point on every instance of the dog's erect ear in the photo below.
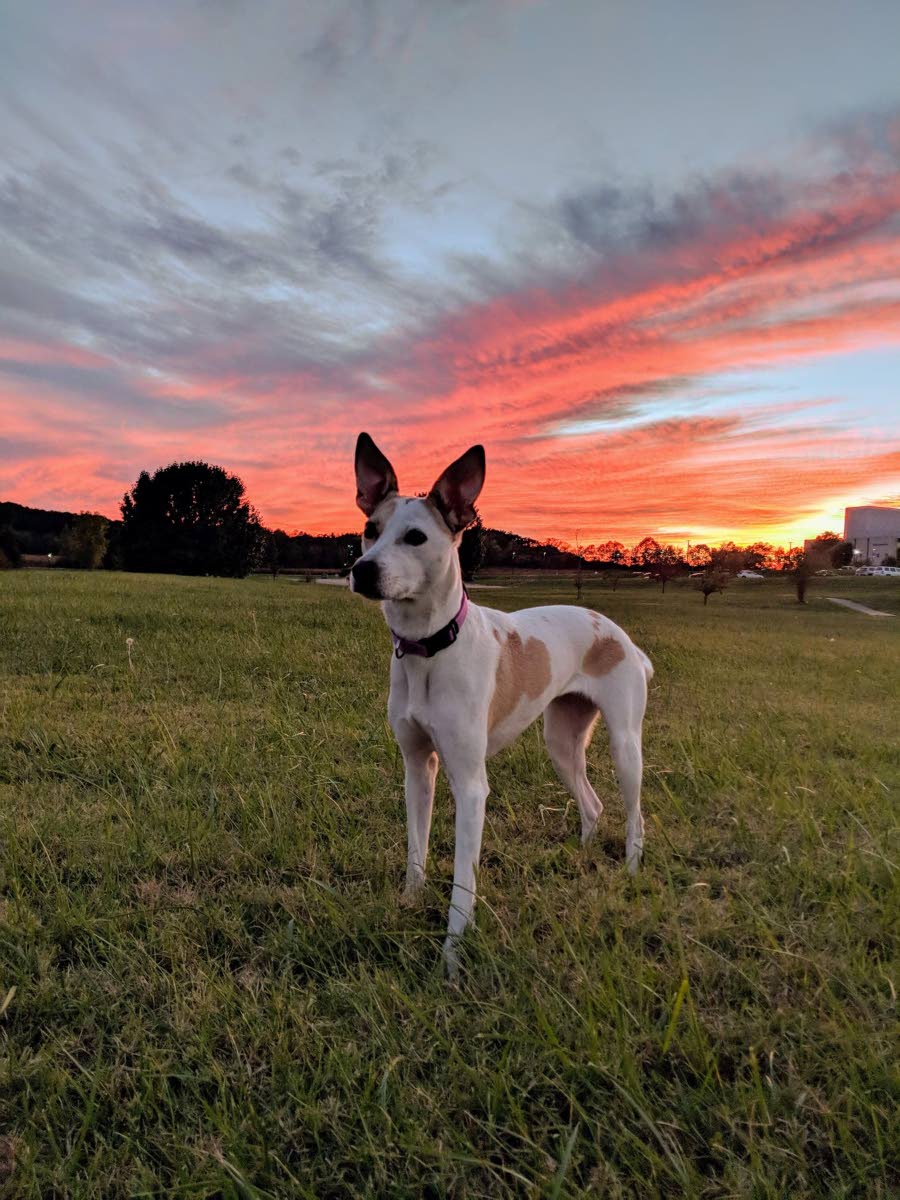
(455, 493)
(375, 476)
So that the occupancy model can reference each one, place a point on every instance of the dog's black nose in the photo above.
(365, 579)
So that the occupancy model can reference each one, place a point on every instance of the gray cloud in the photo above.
(612, 219)
(100, 388)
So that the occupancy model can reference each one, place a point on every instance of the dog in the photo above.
(467, 680)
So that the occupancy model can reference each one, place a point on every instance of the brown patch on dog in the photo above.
(604, 654)
(497, 637)
(523, 669)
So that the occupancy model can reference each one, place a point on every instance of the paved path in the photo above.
(870, 612)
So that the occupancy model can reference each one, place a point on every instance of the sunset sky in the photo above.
(647, 253)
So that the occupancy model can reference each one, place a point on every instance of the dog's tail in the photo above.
(645, 663)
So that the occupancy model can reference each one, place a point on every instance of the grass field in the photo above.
(208, 987)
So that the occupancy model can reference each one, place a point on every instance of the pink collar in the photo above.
(429, 646)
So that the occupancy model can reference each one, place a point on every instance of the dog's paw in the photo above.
(411, 897)
(451, 962)
(633, 856)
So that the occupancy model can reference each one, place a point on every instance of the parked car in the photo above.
(866, 570)
(749, 575)
(891, 572)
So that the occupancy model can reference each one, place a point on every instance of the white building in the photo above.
(874, 533)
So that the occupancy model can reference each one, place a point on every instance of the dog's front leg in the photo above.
(468, 782)
(421, 763)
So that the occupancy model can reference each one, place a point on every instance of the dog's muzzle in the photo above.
(365, 579)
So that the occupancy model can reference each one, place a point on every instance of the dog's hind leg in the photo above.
(624, 716)
(625, 747)
(568, 723)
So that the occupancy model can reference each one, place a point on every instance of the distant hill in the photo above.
(37, 530)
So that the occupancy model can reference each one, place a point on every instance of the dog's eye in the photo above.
(370, 531)
(415, 537)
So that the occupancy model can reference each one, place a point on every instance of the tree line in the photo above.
(193, 518)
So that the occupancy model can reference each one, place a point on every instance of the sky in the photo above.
(648, 254)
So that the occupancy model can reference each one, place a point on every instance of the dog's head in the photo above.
(410, 543)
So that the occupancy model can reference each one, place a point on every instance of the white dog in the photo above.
(466, 680)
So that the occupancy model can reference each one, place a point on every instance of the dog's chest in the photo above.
(423, 691)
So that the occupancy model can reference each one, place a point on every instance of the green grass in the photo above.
(208, 987)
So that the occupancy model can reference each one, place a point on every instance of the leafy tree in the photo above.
(646, 553)
(727, 557)
(698, 555)
(668, 564)
(802, 572)
(579, 569)
(613, 553)
(785, 560)
(83, 543)
(277, 550)
(471, 549)
(758, 556)
(190, 518)
(712, 580)
(112, 559)
(10, 550)
(828, 550)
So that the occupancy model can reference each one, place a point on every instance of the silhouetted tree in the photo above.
(842, 555)
(83, 543)
(190, 518)
(10, 550)
(471, 550)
